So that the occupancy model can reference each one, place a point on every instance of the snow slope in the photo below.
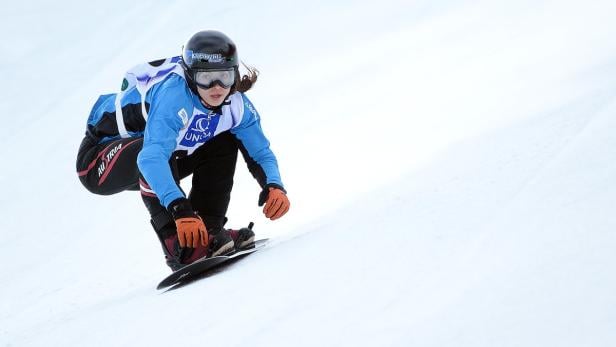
(450, 165)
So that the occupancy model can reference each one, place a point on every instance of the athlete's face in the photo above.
(213, 96)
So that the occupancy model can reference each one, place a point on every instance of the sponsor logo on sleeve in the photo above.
(184, 117)
(252, 109)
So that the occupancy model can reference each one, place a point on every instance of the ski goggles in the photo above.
(207, 78)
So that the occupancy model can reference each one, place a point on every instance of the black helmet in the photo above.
(209, 50)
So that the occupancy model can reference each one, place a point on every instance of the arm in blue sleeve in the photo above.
(256, 148)
(161, 131)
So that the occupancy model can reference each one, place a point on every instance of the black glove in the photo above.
(180, 208)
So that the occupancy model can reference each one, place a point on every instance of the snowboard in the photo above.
(203, 266)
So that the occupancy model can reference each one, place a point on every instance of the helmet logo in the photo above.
(208, 57)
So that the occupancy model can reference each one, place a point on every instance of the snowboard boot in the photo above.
(178, 257)
(220, 242)
(243, 238)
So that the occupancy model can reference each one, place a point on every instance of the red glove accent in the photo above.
(190, 230)
(277, 204)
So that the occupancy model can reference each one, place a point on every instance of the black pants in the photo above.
(112, 167)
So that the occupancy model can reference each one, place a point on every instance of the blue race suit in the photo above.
(156, 105)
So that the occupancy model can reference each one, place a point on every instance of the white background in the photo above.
(450, 165)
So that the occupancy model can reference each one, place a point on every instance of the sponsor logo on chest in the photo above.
(200, 130)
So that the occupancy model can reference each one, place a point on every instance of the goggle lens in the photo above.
(207, 79)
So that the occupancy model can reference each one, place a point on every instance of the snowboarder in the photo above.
(172, 118)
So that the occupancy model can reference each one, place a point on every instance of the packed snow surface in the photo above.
(451, 167)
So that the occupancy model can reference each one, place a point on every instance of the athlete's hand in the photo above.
(190, 230)
(276, 203)
(190, 226)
